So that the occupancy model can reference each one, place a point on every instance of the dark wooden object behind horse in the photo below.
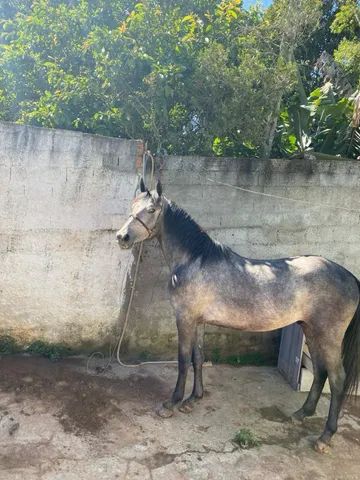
(210, 283)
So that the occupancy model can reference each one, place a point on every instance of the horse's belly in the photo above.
(251, 318)
(258, 310)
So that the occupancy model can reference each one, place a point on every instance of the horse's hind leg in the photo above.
(336, 373)
(325, 350)
(320, 374)
(197, 361)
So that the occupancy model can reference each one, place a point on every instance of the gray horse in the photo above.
(211, 284)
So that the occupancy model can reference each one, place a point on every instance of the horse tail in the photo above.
(351, 352)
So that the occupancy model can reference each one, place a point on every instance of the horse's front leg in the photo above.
(197, 361)
(186, 340)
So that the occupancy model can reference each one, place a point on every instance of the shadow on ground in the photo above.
(60, 422)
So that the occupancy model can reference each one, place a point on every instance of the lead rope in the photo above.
(147, 155)
(117, 347)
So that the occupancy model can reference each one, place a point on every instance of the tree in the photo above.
(198, 76)
(294, 21)
(347, 24)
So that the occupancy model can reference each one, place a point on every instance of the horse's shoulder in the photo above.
(180, 275)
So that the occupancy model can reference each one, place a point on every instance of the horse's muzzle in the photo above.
(123, 240)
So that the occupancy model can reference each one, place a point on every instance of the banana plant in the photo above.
(326, 124)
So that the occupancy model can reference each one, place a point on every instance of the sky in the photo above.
(247, 3)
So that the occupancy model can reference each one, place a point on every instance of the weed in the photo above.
(52, 351)
(8, 345)
(251, 358)
(244, 438)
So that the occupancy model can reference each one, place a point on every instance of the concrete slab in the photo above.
(74, 425)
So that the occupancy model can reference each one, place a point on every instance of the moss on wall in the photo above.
(9, 346)
(251, 358)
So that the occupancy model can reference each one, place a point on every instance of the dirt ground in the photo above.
(58, 422)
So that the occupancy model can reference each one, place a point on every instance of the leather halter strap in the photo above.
(149, 231)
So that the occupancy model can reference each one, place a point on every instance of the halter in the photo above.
(149, 231)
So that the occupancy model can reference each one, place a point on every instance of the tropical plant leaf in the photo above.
(353, 149)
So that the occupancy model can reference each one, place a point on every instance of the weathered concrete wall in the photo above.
(254, 226)
(62, 196)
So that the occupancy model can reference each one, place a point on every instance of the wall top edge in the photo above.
(75, 133)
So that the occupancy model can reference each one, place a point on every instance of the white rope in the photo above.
(132, 292)
(157, 362)
(279, 197)
(133, 286)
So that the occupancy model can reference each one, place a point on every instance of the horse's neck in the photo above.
(181, 238)
(173, 252)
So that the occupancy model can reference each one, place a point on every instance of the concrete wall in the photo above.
(254, 226)
(62, 196)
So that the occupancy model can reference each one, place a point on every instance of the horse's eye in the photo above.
(151, 210)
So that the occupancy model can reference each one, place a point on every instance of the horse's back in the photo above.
(263, 294)
(306, 271)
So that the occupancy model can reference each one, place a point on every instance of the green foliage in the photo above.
(251, 358)
(52, 351)
(347, 54)
(190, 77)
(321, 39)
(347, 18)
(8, 345)
(204, 77)
(330, 118)
(323, 125)
(245, 439)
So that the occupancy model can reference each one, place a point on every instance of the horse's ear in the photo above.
(142, 185)
(159, 188)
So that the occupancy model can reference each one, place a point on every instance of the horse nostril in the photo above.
(122, 238)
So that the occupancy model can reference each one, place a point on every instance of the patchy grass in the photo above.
(52, 351)
(252, 358)
(215, 355)
(144, 356)
(245, 439)
(9, 346)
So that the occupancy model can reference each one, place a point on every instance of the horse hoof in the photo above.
(164, 412)
(297, 417)
(186, 407)
(320, 446)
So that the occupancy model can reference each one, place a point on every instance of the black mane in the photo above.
(190, 236)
